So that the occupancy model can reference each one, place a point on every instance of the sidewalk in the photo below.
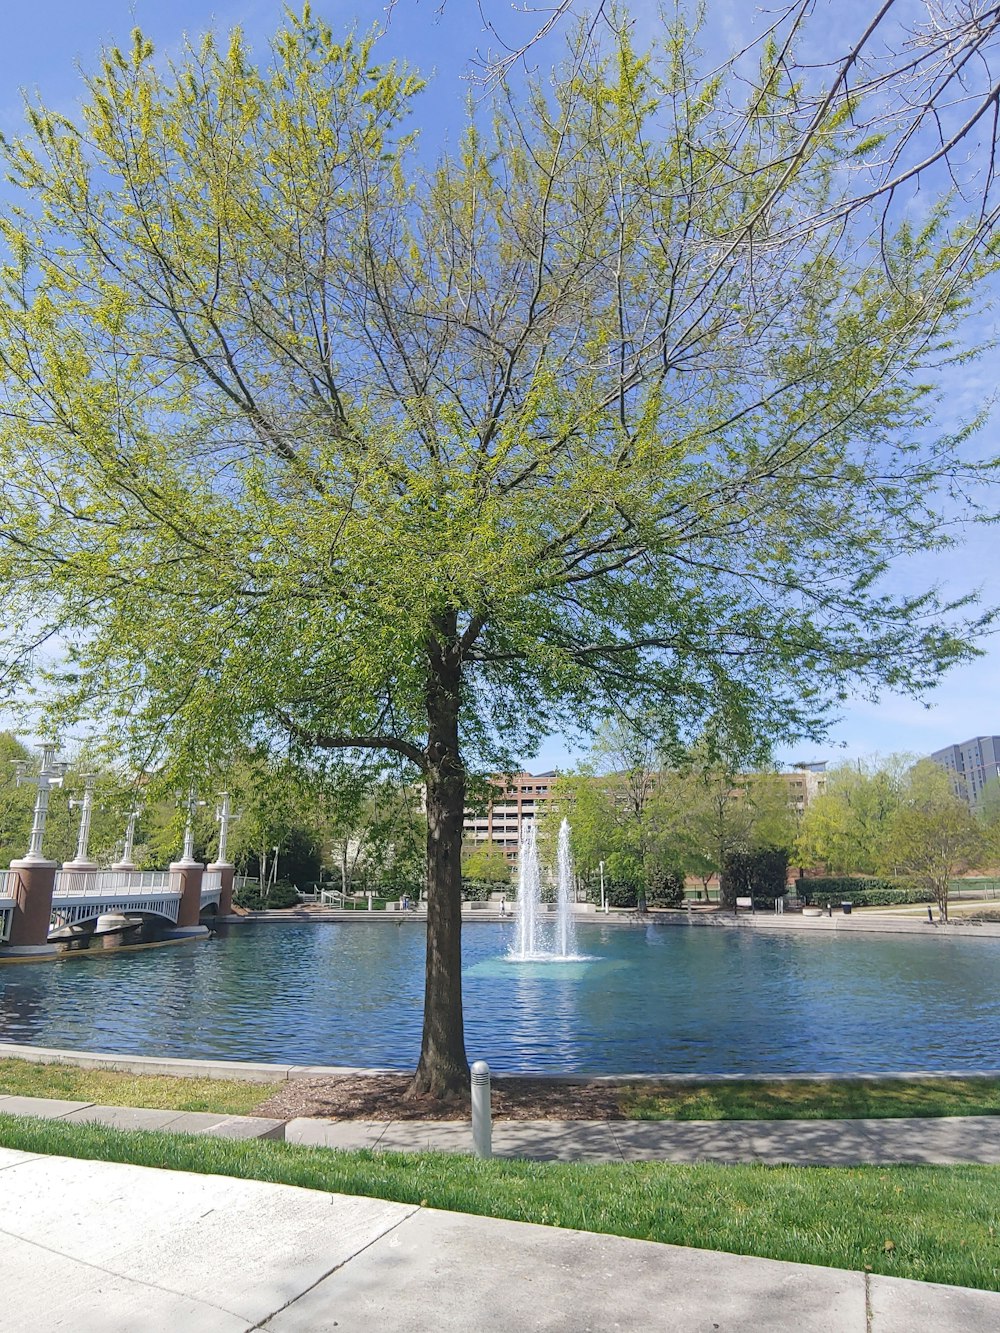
(944, 1141)
(99, 1247)
(137, 1117)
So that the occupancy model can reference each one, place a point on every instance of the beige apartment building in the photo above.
(521, 797)
(804, 782)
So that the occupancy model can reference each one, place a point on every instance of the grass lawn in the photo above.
(108, 1087)
(739, 1100)
(795, 1100)
(939, 1224)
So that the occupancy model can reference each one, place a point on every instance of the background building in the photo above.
(521, 797)
(518, 801)
(805, 782)
(971, 765)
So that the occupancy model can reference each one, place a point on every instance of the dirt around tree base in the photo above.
(382, 1097)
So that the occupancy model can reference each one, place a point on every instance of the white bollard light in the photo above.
(482, 1125)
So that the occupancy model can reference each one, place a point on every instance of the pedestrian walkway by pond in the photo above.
(651, 1000)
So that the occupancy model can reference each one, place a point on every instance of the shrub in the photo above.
(666, 886)
(397, 890)
(761, 874)
(840, 884)
(865, 891)
(479, 890)
(621, 893)
(281, 895)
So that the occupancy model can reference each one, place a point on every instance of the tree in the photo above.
(919, 81)
(113, 795)
(372, 827)
(486, 862)
(845, 827)
(706, 812)
(276, 826)
(15, 801)
(933, 835)
(758, 874)
(305, 442)
(626, 765)
(768, 800)
(988, 814)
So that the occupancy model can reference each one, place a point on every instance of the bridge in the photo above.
(84, 895)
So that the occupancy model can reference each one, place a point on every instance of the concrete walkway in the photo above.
(135, 1117)
(99, 1247)
(944, 1141)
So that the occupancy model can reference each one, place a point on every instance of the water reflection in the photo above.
(660, 999)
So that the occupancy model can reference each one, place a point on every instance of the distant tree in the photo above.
(276, 808)
(113, 795)
(846, 826)
(15, 801)
(989, 817)
(588, 803)
(932, 836)
(371, 827)
(707, 811)
(486, 862)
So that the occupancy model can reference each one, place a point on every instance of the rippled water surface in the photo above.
(658, 999)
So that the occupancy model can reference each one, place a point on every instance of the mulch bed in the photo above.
(382, 1097)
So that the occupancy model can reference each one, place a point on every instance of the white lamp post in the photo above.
(50, 775)
(223, 816)
(187, 856)
(604, 901)
(126, 863)
(86, 807)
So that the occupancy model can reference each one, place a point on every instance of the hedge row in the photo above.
(860, 892)
(845, 885)
(480, 890)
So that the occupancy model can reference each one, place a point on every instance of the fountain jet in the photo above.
(531, 942)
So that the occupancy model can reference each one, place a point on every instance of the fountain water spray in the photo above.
(565, 928)
(529, 943)
(528, 895)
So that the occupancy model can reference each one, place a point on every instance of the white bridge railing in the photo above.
(6, 905)
(109, 883)
(8, 879)
(80, 895)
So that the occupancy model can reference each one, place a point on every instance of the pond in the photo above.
(655, 999)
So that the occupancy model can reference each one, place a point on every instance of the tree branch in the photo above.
(327, 741)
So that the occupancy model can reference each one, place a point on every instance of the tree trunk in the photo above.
(443, 1070)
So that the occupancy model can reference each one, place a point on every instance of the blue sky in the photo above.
(45, 44)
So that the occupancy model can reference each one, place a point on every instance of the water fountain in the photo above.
(532, 942)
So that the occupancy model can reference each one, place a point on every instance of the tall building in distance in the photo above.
(518, 801)
(805, 782)
(521, 797)
(971, 765)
